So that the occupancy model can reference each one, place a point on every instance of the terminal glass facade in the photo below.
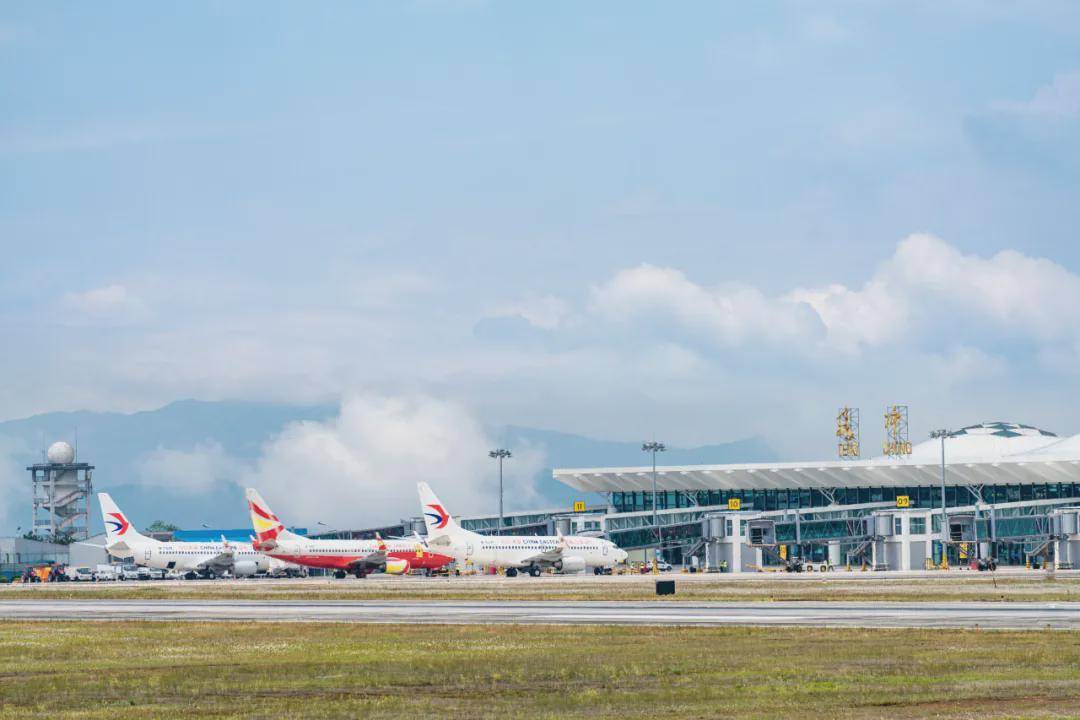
(922, 496)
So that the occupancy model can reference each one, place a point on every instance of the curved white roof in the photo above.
(984, 454)
(985, 441)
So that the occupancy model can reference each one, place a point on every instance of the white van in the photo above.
(105, 572)
(80, 574)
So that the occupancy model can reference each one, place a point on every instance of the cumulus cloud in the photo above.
(730, 314)
(362, 466)
(924, 280)
(188, 471)
(111, 303)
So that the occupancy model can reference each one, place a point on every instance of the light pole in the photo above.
(655, 447)
(942, 434)
(500, 454)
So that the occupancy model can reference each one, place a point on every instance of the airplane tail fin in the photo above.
(121, 537)
(437, 518)
(268, 529)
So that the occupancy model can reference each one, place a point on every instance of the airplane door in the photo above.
(146, 555)
(469, 550)
(604, 549)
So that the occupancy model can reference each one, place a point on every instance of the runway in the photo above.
(815, 614)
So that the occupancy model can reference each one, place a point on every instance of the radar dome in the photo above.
(60, 453)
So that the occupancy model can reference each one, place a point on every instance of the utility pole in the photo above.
(500, 454)
(942, 434)
(655, 447)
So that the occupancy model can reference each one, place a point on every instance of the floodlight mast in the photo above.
(500, 454)
(942, 434)
(655, 447)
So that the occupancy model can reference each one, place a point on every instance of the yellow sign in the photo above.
(903, 501)
(900, 447)
(579, 506)
(734, 504)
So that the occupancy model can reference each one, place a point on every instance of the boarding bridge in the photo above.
(888, 538)
(1065, 531)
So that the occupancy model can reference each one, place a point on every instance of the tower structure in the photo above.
(897, 443)
(62, 489)
(847, 433)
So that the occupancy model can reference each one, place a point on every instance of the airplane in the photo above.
(568, 554)
(206, 559)
(358, 557)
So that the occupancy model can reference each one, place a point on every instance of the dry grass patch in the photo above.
(122, 670)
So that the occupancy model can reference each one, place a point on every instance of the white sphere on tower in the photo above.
(60, 453)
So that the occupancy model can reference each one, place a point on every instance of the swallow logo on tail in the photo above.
(120, 524)
(439, 516)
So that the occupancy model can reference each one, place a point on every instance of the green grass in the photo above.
(121, 670)
(949, 587)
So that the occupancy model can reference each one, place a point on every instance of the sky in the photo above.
(626, 220)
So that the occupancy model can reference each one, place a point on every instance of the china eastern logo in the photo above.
(120, 525)
(440, 517)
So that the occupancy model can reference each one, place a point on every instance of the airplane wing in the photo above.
(548, 556)
(221, 562)
(218, 563)
(372, 561)
(545, 558)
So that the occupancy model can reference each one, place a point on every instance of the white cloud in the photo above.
(362, 467)
(731, 314)
(924, 281)
(110, 304)
(187, 472)
(1033, 297)
(546, 312)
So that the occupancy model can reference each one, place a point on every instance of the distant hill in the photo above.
(115, 442)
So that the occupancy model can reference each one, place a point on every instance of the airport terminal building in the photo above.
(1009, 480)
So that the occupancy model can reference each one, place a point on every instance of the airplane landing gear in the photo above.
(339, 574)
(360, 574)
(534, 571)
(511, 572)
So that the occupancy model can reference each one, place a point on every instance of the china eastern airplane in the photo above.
(358, 557)
(208, 559)
(569, 554)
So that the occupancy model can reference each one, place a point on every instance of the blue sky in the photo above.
(617, 219)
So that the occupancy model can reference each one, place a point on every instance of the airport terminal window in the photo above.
(898, 526)
(918, 525)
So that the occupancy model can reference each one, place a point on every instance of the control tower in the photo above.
(62, 490)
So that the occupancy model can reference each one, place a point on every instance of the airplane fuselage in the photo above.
(518, 552)
(191, 556)
(344, 554)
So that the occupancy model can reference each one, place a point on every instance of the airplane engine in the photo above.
(245, 568)
(397, 566)
(570, 565)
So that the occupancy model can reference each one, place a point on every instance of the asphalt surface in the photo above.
(817, 614)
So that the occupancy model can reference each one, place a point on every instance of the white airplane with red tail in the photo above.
(356, 557)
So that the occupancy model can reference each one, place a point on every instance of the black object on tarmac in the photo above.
(665, 587)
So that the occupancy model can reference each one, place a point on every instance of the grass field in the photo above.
(946, 587)
(231, 670)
